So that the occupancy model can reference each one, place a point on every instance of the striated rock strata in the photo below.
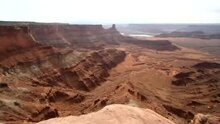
(13, 38)
(89, 36)
(76, 36)
(44, 88)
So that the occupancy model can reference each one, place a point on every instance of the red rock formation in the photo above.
(87, 73)
(46, 83)
(90, 36)
(15, 37)
(48, 65)
(64, 35)
(73, 35)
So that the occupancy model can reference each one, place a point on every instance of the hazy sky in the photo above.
(112, 11)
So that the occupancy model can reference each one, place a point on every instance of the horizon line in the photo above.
(119, 23)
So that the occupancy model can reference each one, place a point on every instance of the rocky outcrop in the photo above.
(45, 113)
(179, 112)
(117, 114)
(200, 85)
(207, 65)
(57, 79)
(87, 73)
(199, 72)
(205, 119)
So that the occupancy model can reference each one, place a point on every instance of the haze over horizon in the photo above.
(114, 11)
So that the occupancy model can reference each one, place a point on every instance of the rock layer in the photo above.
(43, 85)
(87, 73)
(73, 35)
(76, 36)
(15, 37)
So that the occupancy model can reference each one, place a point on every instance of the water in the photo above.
(140, 35)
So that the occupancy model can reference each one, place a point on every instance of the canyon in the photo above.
(58, 70)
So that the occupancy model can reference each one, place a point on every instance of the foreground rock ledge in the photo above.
(114, 114)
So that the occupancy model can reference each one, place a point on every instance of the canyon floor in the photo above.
(147, 76)
(145, 79)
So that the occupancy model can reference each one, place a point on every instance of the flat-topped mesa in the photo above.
(192, 34)
(45, 34)
(62, 35)
(15, 37)
(66, 35)
(160, 45)
(9, 30)
(90, 36)
(72, 35)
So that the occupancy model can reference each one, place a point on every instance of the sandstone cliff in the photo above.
(15, 37)
(74, 36)
(89, 36)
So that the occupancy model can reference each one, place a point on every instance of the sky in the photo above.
(111, 11)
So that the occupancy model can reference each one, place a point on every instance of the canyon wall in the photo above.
(91, 36)
(14, 37)
(52, 85)
(48, 70)
(74, 35)
(36, 75)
